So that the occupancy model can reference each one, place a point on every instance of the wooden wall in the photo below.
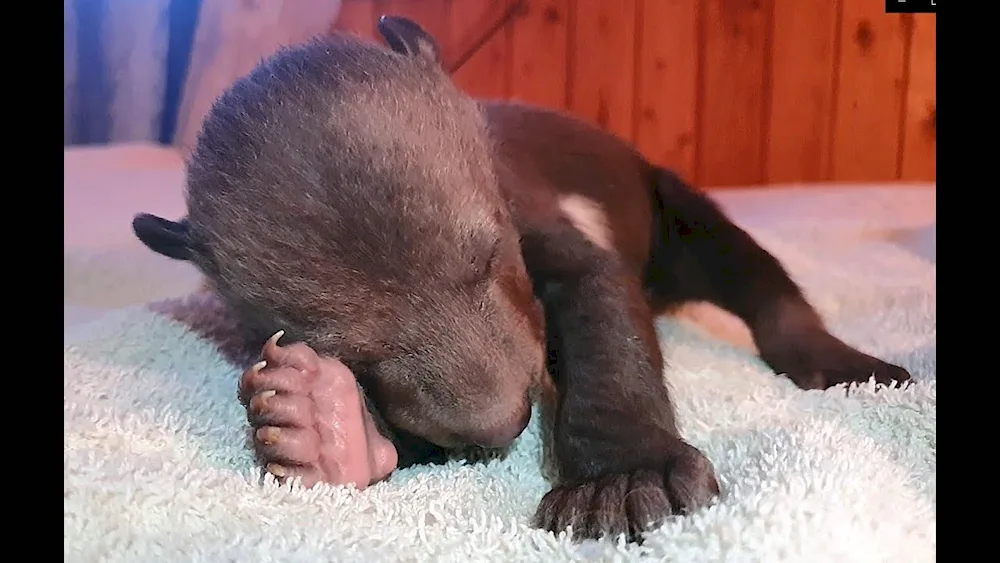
(727, 92)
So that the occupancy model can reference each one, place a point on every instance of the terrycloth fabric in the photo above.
(158, 467)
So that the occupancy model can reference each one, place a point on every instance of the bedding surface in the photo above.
(157, 465)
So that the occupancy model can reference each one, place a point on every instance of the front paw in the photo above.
(820, 361)
(310, 419)
(631, 503)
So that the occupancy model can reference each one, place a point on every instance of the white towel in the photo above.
(158, 465)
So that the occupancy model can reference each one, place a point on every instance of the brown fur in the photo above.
(352, 196)
(268, 244)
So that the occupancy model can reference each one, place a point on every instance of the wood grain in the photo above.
(803, 61)
(666, 92)
(487, 73)
(919, 147)
(540, 54)
(725, 92)
(731, 121)
(602, 68)
(870, 97)
(357, 16)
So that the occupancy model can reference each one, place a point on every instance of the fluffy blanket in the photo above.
(158, 468)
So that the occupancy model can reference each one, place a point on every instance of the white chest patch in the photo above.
(589, 218)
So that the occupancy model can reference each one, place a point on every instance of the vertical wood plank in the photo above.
(803, 61)
(603, 66)
(487, 73)
(667, 84)
(357, 16)
(870, 97)
(432, 15)
(919, 150)
(540, 53)
(732, 131)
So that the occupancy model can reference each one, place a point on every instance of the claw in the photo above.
(259, 401)
(276, 470)
(271, 346)
(273, 341)
(268, 435)
(242, 392)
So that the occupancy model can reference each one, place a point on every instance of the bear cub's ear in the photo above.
(406, 37)
(169, 238)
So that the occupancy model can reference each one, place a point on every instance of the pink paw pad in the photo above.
(310, 419)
